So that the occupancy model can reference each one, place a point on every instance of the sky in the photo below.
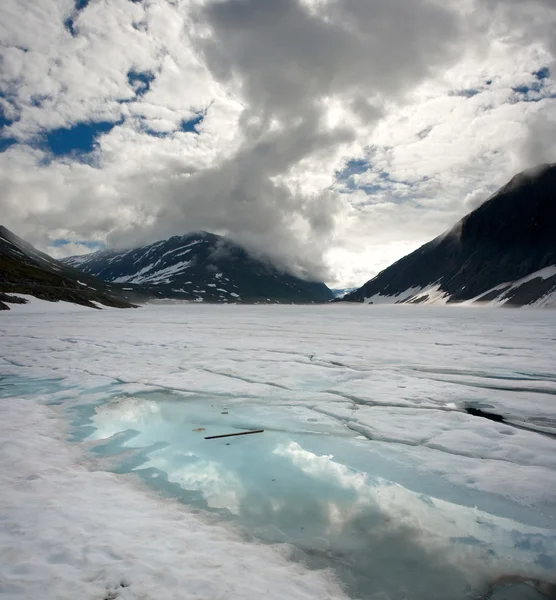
(330, 136)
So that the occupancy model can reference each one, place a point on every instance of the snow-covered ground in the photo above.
(370, 480)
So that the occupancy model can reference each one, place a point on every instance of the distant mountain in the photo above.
(340, 293)
(25, 270)
(503, 252)
(200, 267)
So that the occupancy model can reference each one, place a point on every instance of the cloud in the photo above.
(64, 248)
(288, 59)
(540, 143)
(331, 136)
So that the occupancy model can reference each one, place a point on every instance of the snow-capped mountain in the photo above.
(25, 270)
(199, 266)
(503, 252)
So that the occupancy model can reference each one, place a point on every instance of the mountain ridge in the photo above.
(199, 266)
(510, 236)
(25, 270)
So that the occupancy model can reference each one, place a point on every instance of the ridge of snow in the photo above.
(162, 273)
(130, 278)
(546, 301)
(545, 273)
(430, 295)
(183, 247)
(401, 297)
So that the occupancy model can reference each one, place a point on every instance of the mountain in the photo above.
(503, 252)
(25, 270)
(199, 267)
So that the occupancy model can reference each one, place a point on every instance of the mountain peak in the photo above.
(199, 266)
(506, 239)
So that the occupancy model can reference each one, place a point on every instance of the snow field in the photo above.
(363, 407)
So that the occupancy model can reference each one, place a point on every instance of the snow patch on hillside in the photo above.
(506, 290)
(397, 299)
(431, 295)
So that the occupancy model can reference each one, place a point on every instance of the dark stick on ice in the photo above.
(214, 437)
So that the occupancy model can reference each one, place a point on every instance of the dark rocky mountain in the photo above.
(200, 267)
(25, 270)
(504, 251)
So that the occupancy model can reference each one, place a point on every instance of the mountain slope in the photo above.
(25, 270)
(538, 288)
(506, 239)
(199, 266)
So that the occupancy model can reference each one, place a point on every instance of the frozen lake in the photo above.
(377, 468)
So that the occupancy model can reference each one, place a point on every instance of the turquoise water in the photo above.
(335, 499)
(15, 385)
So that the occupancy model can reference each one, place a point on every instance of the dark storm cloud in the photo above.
(235, 116)
(288, 59)
(288, 63)
(239, 197)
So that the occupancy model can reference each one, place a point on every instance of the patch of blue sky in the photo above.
(6, 141)
(543, 73)
(4, 120)
(140, 81)
(186, 126)
(371, 189)
(348, 182)
(191, 124)
(38, 100)
(531, 94)
(60, 242)
(355, 166)
(525, 89)
(157, 134)
(397, 191)
(69, 23)
(536, 90)
(79, 139)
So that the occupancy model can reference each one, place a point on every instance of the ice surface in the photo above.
(369, 467)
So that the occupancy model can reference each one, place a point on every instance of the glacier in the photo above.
(376, 476)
